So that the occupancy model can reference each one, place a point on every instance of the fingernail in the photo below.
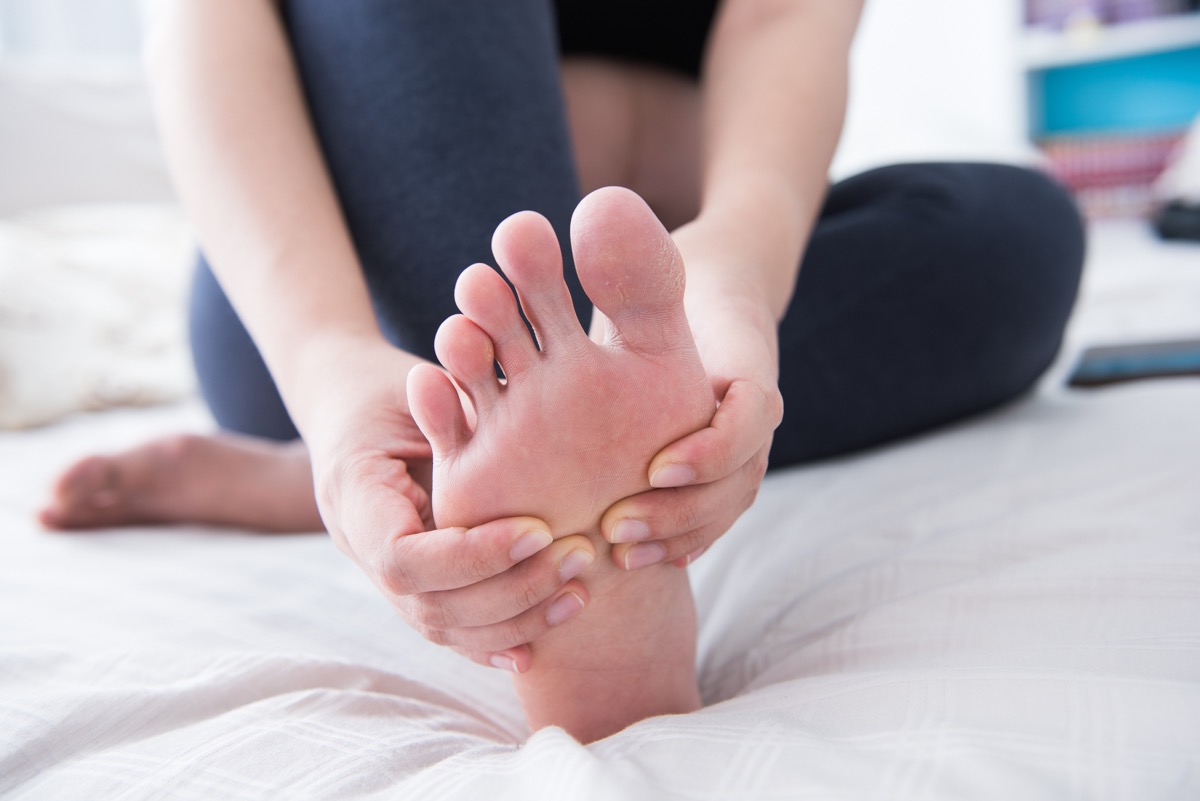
(573, 564)
(672, 475)
(564, 608)
(644, 555)
(529, 544)
(504, 663)
(630, 530)
(694, 555)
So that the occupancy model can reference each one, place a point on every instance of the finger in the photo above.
(677, 550)
(665, 513)
(691, 557)
(563, 606)
(680, 522)
(450, 558)
(513, 660)
(507, 595)
(368, 504)
(744, 421)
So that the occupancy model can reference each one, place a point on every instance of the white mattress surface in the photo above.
(1007, 609)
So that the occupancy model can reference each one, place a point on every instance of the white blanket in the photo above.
(1009, 609)
(1006, 609)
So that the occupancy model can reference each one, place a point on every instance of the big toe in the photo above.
(630, 268)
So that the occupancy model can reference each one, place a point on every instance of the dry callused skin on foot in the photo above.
(570, 431)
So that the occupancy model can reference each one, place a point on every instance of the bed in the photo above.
(1007, 608)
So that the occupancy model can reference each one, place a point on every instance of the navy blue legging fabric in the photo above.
(928, 291)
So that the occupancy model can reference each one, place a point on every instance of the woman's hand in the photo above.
(705, 481)
(483, 591)
(774, 94)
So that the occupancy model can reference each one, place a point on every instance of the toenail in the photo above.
(573, 564)
(630, 530)
(529, 544)
(564, 608)
(672, 475)
(644, 555)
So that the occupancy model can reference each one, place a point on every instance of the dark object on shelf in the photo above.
(1114, 364)
(1064, 14)
(1178, 220)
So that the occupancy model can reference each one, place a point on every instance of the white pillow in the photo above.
(935, 80)
(80, 133)
(91, 304)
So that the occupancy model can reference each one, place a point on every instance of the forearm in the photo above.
(249, 171)
(775, 81)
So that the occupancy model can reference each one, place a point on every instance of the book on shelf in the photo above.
(1066, 14)
(1111, 175)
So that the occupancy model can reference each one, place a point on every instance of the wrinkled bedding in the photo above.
(1006, 609)
(1009, 608)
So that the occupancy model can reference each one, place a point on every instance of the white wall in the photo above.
(931, 79)
(62, 29)
(935, 79)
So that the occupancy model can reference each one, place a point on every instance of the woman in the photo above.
(342, 161)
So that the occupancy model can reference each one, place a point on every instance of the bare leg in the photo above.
(571, 431)
(223, 480)
(638, 127)
(630, 125)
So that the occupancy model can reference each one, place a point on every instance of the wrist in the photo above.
(723, 267)
(735, 332)
(340, 373)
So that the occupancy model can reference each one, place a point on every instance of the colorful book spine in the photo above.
(1111, 175)
(1064, 14)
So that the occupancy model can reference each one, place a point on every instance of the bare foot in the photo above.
(571, 430)
(222, 480)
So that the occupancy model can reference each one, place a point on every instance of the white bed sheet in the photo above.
(1007, 609)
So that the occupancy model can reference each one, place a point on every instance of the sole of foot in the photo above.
(569, 430)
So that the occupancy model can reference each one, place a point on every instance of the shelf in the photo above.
(1046, 49)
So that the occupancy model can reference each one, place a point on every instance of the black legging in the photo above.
(928, 291)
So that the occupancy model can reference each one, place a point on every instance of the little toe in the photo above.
(468, 354)
(435, 406)
(630, 268)
(527, 250)
(87, 478)
(85, 495)
(485, 298)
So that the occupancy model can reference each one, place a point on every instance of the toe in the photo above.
(630, 268)
(485, 298)
(527, 250)
(86, 495)
(469, 356)
(435, 406)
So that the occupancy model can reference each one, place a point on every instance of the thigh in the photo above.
(436, 121)
(638, 126)
(233, 378)
(631, 75)
(928, 292)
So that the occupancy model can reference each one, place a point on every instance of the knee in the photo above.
(1016, 224)
(232, 377)
(1009, 257)
(981, 214)
(1008, 232)
(1019, 237)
